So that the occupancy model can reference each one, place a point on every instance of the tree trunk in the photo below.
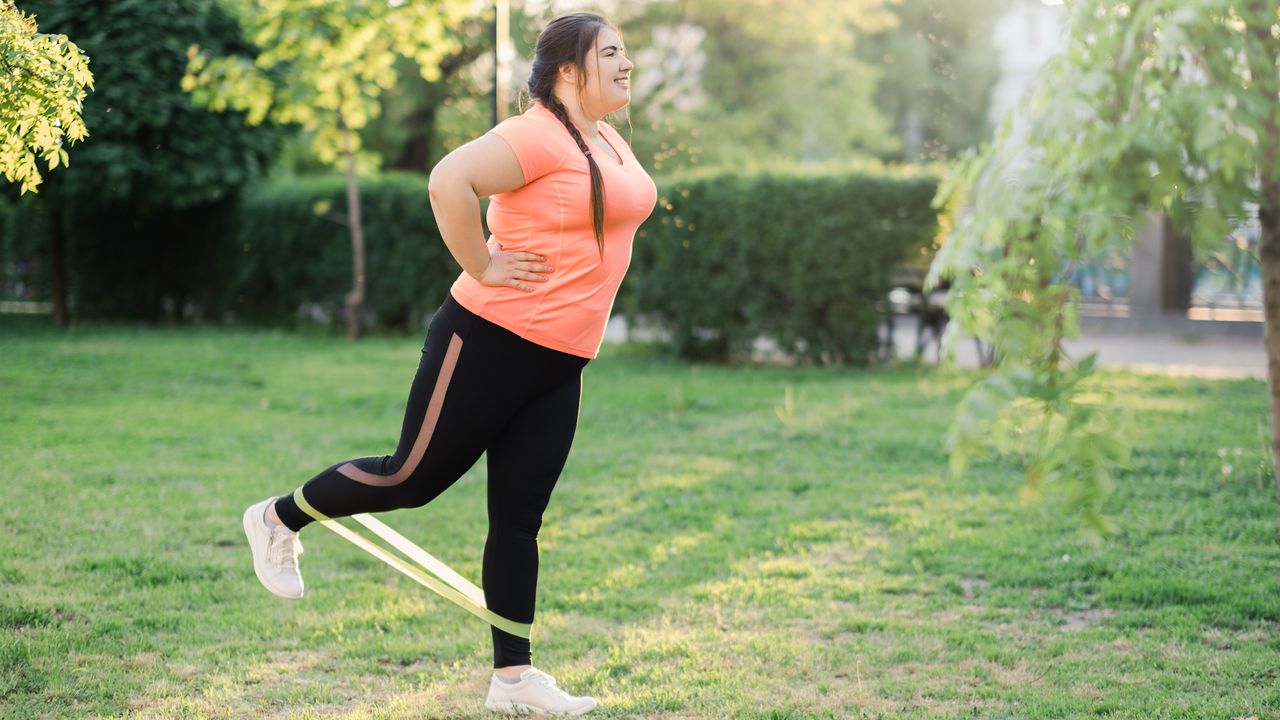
(1262, 56)
(355, 299)
(1269, 256)
(1160, 273)
(1177, 272)
(416, 154)
(58, 268)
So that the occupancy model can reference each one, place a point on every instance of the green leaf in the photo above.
(44, 112)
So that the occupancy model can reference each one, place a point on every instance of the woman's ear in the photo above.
(568, 72)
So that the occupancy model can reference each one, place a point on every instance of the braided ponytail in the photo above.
(597, 180)
(568, 39)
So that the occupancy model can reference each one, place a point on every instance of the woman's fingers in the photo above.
(534, 267)
(520, 268)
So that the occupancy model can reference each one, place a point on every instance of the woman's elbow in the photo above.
(438, 181)
(446, 181)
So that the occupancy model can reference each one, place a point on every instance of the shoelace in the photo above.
(283, 550)
(543, 678)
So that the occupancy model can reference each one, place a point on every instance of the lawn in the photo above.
(750, 542)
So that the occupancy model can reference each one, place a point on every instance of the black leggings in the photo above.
(479, 389)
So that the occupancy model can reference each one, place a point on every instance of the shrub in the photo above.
(146, 197)
(801, 258)
(24, 265)
(293, 248)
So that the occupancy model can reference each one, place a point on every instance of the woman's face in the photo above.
(608, 75)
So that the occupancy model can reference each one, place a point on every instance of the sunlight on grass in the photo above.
(752, 542)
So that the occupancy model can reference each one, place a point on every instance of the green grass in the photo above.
(710, 551)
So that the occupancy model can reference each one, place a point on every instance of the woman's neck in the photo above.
(587, 125)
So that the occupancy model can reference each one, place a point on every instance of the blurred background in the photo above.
(175, 212)
(763, 541)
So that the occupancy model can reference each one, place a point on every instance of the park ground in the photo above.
(760, 542)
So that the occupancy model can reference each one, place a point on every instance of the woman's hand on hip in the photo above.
(515, 270)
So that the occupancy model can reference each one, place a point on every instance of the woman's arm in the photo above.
(483, 167)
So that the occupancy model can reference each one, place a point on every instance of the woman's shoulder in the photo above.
(536, 125)
(538, 139)
(535, 117)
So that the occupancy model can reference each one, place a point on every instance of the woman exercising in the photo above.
(502, 364)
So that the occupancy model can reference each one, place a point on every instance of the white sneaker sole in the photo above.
(515, 708)
(249, 531)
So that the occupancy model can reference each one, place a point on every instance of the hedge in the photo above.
(294, 248)
(121, 263)
(24, 266)
(802, 259)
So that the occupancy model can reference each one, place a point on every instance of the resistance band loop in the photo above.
(449, 585)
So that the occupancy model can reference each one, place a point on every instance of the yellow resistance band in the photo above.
(449, 584)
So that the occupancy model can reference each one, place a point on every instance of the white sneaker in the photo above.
(275, 552)
(536, 692)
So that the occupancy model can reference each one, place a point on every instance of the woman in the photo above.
(502, 364)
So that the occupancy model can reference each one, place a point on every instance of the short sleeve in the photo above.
(538, 150)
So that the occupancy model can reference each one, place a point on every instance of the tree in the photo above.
(408, 131)
(323, 66)
(1156, 105)
(137, 204)
(42, 89)
(937, 71)
(734, 82)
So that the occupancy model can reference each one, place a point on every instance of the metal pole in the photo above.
(501, 58)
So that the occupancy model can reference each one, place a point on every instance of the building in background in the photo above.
(1225, 285)
(1029, 33)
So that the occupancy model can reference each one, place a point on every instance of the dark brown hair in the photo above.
(568, 39)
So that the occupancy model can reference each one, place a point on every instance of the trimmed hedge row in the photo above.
(294, 249)
(121, 263)
(802, 259)
(24, 265)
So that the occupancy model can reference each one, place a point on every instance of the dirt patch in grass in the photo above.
(971, 585)
(1089, 617)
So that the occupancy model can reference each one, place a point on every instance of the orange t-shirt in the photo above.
(551, 216)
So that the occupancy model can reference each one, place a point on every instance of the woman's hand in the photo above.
(514, 270)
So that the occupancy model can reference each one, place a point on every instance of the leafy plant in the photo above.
(1156, 106)
(323, 67)
(802, 258)
(43, 79)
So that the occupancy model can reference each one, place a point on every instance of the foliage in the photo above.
(937, 70)
(42, 89)
(695, 266)
(1165, 104)
(419, 122)
(292, 250)
(152, 148)
(122, 264)
(143, 203)
(723, 82)
(801, 258)
(24, 274)
(323, 66)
